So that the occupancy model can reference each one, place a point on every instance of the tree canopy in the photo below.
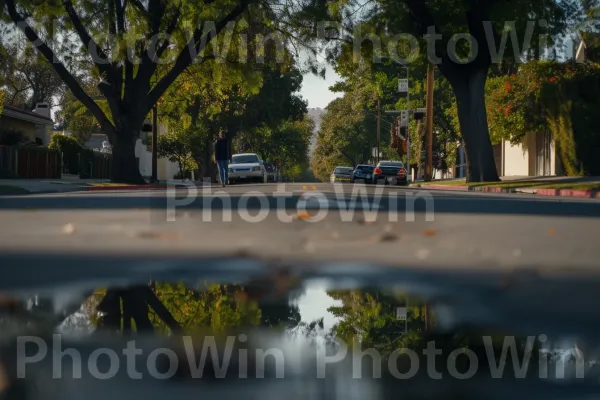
(373, 29)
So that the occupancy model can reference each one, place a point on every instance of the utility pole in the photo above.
(378, 129)
(154, 143)
(429, 122)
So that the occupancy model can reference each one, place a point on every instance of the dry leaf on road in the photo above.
(159, 235)
(68, 229)
(429, 232)
(388, 237)
(302, 216)
(551, 232)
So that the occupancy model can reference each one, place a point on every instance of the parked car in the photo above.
(390, 172)
(341, 174)
(363, 173)
(247, 167)
(271, 172)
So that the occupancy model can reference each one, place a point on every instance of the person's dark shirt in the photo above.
(221, 150)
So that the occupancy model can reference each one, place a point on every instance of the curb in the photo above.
(444, 187)
(133, 187)
(590, 194)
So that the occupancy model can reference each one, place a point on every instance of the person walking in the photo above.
(222, 158)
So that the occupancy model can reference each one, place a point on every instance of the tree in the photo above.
(287, 143)
(346, 136)
(74, 116)
(465, 68)
(547, 97)
(28, 78)
(176, 146)
(140, 39)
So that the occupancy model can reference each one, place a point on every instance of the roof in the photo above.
(26, 113)
(246, 154)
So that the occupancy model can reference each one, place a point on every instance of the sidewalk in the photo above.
(41, 186)
(582, 187)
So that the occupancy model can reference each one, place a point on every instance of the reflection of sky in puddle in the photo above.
(314, 304)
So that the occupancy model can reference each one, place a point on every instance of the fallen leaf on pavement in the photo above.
(388, 237)
(552, 232)
(364, 221)
(302, 216)
(422, 254)
(313, 188)
(429, 232)
(159, 235)
(8, 302)
(68, 229)
(335, 235)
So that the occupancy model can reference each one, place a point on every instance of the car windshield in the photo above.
(342, 170)
(245, 158)
(365, 168)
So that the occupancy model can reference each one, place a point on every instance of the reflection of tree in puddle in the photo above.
(368, 319)
(167, 307)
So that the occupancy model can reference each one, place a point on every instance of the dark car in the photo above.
(363, 173)
(341, 174)
(271, 172)
(390, 172)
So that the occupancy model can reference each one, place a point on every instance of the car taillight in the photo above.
(378, 170)
(402, 172)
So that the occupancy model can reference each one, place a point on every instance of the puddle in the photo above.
(284, 334)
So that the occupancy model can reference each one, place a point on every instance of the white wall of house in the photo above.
(166, 169)
(516, 160)
(525, 159)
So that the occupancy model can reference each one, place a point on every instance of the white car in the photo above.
(247, 167)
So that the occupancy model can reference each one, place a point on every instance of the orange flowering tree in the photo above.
(534, 99)
(517, 104)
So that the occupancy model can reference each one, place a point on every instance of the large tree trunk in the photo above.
(470, 98)
(124, 164)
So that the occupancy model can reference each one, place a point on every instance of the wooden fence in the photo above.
(31, 162)
(95, 165)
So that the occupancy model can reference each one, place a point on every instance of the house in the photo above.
(36, 125)
(535, 156)
(587, 47)
(166, 169)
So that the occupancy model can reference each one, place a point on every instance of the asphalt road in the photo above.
(402, 226)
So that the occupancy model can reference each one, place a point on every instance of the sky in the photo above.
(316, 89)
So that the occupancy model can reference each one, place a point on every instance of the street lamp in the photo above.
(406, 67)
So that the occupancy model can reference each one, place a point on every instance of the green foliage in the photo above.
(75, 117)
(219, 307)
(2, 99)
(287, 143)
(346, 136)
(176, 146)
(550, 97)
(71, 151)
(571, 107)
(11, 137)
(28, 78)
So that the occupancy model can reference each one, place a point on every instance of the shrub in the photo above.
(71, 150)
(11, 137)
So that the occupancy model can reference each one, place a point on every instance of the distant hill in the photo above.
(315, 114)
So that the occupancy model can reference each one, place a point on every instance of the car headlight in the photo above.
(256, 169)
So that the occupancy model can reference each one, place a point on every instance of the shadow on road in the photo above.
(419, 201)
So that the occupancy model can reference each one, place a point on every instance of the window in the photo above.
(245, 159)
